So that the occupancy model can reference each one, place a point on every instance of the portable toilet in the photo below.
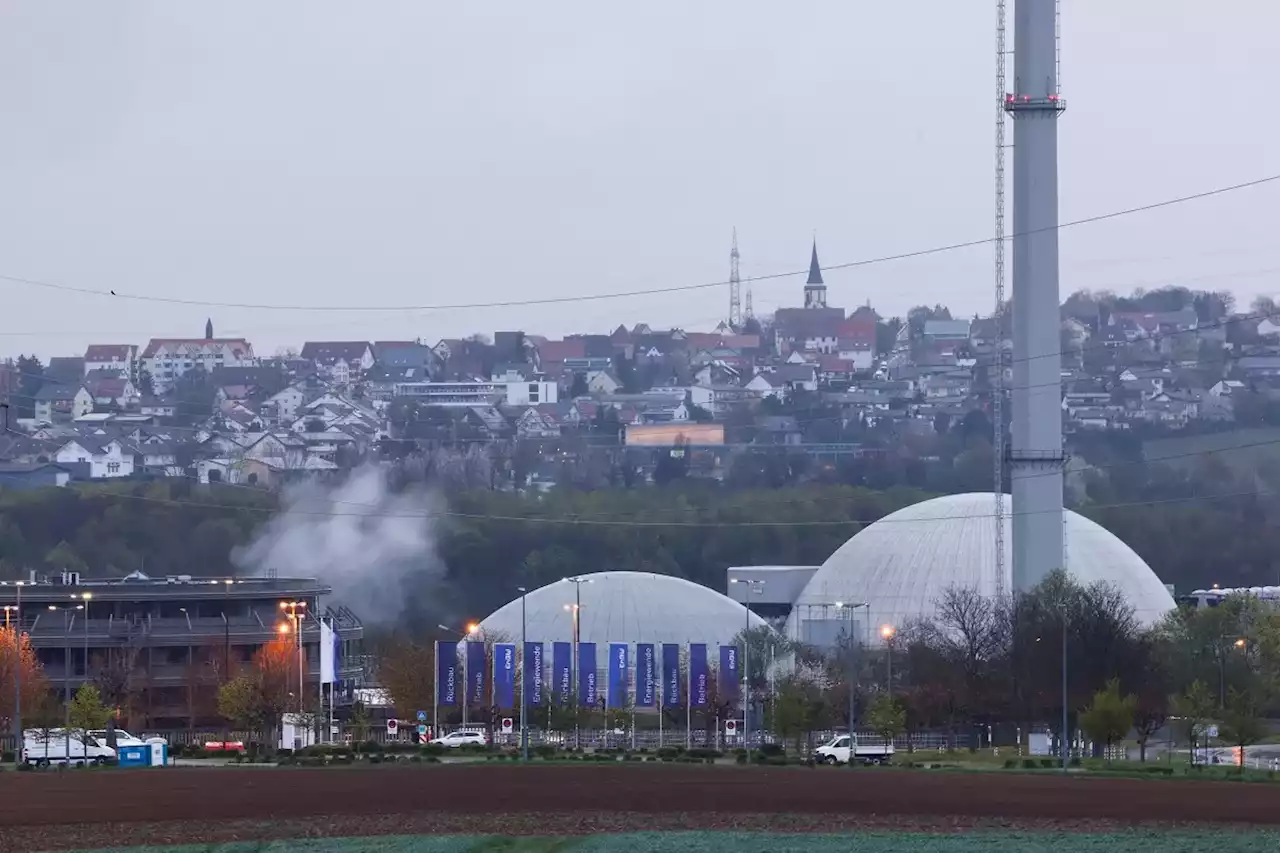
(158, 751)
(134, 756)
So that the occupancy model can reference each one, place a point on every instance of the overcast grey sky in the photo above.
(394, 153)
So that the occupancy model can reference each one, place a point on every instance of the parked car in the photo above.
(123, 738)
(463, 738)
(841, 748)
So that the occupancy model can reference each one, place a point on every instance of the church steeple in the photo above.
(208, 324)
(815, 289)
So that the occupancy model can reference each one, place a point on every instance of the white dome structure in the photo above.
(899, 567)
(624, 607)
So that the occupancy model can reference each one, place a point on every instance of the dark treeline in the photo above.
(1196, 525)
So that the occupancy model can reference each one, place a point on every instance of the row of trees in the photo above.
(984, 662)
(486, 551)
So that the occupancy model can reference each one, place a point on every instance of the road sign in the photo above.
(422, 730)
(422, 716)
(392, 726)
(731, 727)
(508, 725)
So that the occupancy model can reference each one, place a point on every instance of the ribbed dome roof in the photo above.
(625, 607)
(903, 564)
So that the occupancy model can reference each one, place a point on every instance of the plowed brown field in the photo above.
(45, 805)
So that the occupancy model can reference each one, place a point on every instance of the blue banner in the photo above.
(562, 672)
(475, 673)
(587, 697)
(618, 675)
(504, 675)
(698, 675)
(532, 674)
(446, 673)
(670, 675)
(646, 676)
(729, 675)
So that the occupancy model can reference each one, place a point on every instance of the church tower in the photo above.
(815, 290)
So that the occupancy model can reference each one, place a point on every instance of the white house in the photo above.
(284, 405)
(105, 461)
(342, 361)
(56, 400)
(602, 382)
(121, 358)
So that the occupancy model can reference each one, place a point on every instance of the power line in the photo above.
(560, 300)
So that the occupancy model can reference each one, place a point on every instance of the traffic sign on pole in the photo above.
(731, 727)
(392, 726)
(422, 716)
(508, 725)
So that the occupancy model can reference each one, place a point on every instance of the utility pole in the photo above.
(757, 587)
(524, 675)
(19, 739)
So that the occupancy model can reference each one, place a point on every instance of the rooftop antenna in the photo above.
(735, 287)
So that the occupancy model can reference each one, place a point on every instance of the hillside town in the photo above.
(817, 380)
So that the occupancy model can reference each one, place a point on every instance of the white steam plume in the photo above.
(357, 537)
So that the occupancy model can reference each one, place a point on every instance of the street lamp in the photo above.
(470, 628)
(295, 610)
(757, 587)
(66, 674)
(85, 596)
(17, 666)
(524, 676)
(852, 676)
(226, 630)
(887, 632)
(575, 609)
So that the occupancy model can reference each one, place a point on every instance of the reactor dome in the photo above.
(624, 607)
(899, 567)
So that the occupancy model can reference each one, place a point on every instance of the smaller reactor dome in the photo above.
(898, 568)
(624, 607)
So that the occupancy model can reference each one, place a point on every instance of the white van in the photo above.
(42, 747)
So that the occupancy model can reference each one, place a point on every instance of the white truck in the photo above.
(839, 748)
(42, 747)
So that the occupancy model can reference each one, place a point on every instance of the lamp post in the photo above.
(295, 610)
(226, 630)
(470, 628)
(852, 676)
(66, 676)
(17, 670)
(85, 597)
(757, 587)
(887, 632)
(576, 609)
(1240, 643)
(524, 676)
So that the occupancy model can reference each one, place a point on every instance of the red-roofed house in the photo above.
(857, 339)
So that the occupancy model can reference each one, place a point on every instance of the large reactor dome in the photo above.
(902, 565)
(624, 607)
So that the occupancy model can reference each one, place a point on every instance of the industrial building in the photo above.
(168, 643)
